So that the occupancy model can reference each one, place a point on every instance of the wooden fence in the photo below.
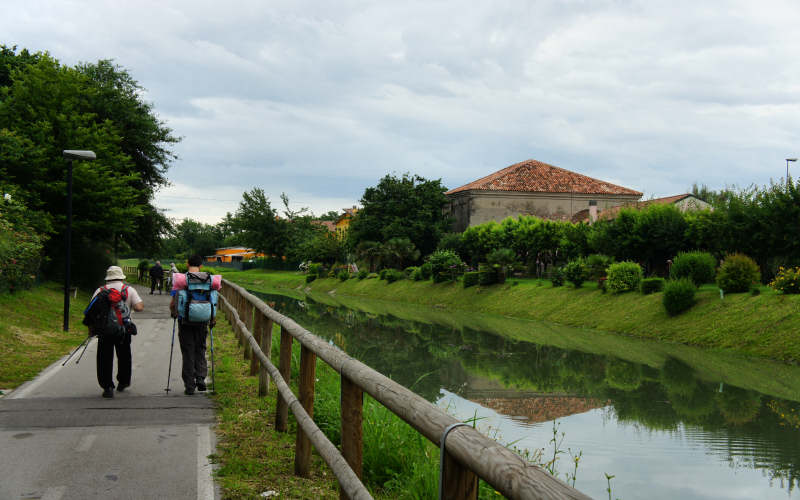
(466, 454)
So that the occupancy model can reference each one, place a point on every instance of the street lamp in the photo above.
(787, 167)
(71, 154)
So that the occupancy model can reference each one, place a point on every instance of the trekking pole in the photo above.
(213, 386)
(171, 346)
(84, 350)
(76, 350)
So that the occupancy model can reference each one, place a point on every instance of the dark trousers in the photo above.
(193, 351)
(105, 362)
(155, 283)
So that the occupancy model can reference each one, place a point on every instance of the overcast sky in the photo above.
(321, 99)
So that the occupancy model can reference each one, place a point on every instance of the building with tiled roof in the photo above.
(684, 202)
(532, 188)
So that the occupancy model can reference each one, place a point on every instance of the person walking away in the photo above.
(156, 277)
(192, 331)
(172, 270)
(108, 342)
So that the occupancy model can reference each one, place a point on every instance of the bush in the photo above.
(623, 277)
(700, 267)
(445, 265)
(363, 274)
(737, 273)
(382, 273)
(652, 285)
(557, 277)
(343, 275)
(310, 277)
(409, 271)
(471, 279)
(575, 272)
(596, 265)
(417, 275)
(487, 275)
(20, 256)
(679, 295)
(316, 269)
(787, 280)
(393, 275)
(426, 271)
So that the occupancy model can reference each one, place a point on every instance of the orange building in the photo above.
(233, 254)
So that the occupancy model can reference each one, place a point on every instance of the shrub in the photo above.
(737, 273)
(417, 275)
(623, 277)
(679, 295)
(787, 280)
(382, 273)
(471, 279)
(652, 285)
(445, 265)
(409, 271)
(363, 274)
(343, 275)
(310, 277)
(596, 265)
(502, 257)
(700, 267)
(393, 275)
(426, 271)
(487, 275)
(557, 277)
(20, 256)
(575, 272)
(315, 268)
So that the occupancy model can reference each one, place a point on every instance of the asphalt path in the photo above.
(60, 440)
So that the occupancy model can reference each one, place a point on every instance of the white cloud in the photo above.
(321, 100)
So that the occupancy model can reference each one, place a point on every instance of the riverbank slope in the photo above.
(764, 325)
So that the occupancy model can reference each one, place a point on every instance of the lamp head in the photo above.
(74, 154)
(791, 159)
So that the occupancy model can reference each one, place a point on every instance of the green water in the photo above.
(667, 421)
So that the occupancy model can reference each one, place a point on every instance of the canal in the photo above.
(666, 421)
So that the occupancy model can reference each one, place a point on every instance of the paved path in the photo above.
(59, 440)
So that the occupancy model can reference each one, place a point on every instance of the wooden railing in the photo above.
(467, 454)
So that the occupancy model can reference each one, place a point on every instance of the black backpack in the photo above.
(107, 315)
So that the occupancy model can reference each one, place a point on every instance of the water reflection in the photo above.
(606, 404)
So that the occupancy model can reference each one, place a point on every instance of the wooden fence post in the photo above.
(248, 322)
(285, 368)
(458, 482)
(265, 341)
(308, 373)
(352, 399)
(258, 321)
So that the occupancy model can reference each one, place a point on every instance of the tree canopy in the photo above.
(402, 207)
(45, 108)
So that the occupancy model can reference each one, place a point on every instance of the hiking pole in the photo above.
(213, 386)
(76, 350)
(84, 350)
(171, 346)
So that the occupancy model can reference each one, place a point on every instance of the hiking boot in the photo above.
(122, 387)
(188, 391)
(201, 387)
(108, 392)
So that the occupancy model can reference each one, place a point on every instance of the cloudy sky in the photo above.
(321, 99)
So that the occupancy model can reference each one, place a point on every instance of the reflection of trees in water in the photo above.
(427, 357)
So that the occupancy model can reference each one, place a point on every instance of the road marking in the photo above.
(205, 484)
(54, 493)
(85, 443)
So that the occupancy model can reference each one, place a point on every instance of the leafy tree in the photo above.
(193, 237)
(258, 222)
(405, 207)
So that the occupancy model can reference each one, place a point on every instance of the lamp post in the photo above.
(70, 155)
(787, 167)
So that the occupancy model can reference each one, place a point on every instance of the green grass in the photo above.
(31, 331)
(764, 325)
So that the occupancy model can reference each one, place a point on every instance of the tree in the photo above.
(258, 222)
(406, 207)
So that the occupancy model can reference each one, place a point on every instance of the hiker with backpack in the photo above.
(156, 277)
(108, 317)
(193, 305)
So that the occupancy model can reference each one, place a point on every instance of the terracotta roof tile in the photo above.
(538, 177)
(611, 213)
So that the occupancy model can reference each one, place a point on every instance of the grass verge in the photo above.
(31, 331)
(764, 325)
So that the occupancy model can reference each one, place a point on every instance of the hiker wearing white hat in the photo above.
(106, 345)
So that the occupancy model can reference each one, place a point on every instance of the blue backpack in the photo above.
(197, 303)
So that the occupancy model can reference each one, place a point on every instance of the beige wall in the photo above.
(471, 208)
(692, 203)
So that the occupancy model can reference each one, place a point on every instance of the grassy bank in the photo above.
(764, 325)
(31, 331)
